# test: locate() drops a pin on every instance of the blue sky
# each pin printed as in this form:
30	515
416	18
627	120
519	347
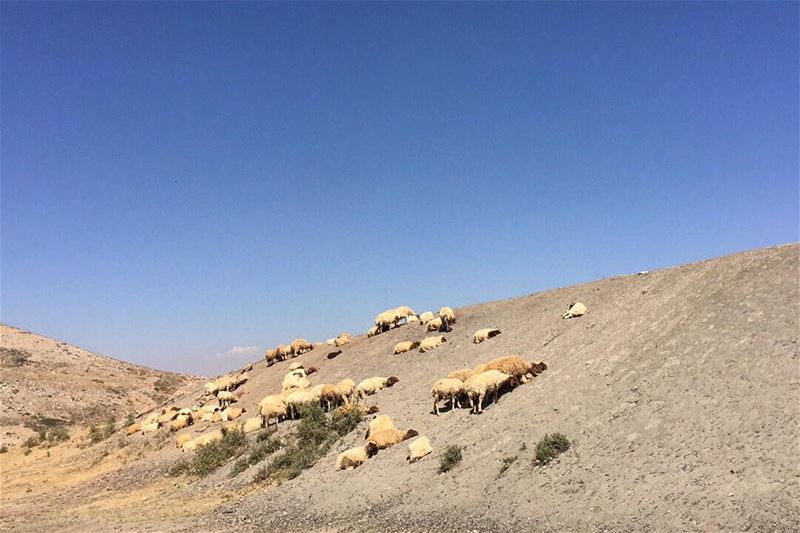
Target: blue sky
182	179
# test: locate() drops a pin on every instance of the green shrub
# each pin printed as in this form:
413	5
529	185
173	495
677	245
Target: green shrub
344	422
99	434
449	458
550	447
210	457
262	450
131	420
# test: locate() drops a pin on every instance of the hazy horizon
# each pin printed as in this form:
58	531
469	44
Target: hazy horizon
185	185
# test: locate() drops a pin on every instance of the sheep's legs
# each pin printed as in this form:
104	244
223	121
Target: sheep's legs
436	407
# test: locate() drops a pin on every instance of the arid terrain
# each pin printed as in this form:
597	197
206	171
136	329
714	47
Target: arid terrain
678	389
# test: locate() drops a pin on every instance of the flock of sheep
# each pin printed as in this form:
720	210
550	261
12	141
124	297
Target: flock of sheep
461	388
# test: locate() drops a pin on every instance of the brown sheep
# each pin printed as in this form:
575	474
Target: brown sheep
513	365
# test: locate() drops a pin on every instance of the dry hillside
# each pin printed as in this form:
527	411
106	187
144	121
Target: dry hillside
46	383
679	390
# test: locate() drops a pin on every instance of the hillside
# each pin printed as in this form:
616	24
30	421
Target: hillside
47	383
679	390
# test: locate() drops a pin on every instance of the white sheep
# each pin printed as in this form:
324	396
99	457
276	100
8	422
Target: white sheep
379	423
346	389
302	397
372	385
405	346
429	343
226	398
296	379
485	334
274	406
355	456
253	423
447	313
426	317
446	389
434	324
342	339
371	332
462	374
300	346
419	449
479	386
389	437
576	309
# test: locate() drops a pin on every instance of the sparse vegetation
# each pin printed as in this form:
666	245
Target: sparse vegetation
263	449
449	458
550	447
47	438
507	462
14	357
101	433
131	420
315	436
210	457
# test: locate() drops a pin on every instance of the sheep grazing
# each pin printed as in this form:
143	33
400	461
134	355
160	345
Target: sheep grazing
183	421
357	407
413	319
271	356
232	413
302	397
182	439
372	385
434	324
168	414
479	386
253	423
331	342
426	317
429	343
462	374
273	406
295	379
446	389
226	398
208	438
386	320
226	383
371	332
513	365
150	427
211	387
419	449
300	346
484	335
342	339
134	428
284	352
241	379
346	389
403	312
576	309
355	456
189	445
380	423
389	437
405	346
446	313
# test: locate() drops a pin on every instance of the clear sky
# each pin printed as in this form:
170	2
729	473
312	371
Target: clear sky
186	184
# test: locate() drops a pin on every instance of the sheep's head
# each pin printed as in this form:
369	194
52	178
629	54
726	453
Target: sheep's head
310	370
372	410
333	354
391	381
410	433
442	339
371	448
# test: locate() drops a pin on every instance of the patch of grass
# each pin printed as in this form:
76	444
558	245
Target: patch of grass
261	451
315	436
101	433
14	357
47	438
131	420
550	447
507	462
210	457
449	458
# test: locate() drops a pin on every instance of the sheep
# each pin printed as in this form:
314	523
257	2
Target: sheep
405	346
295	365
301	397
273	406
429	343
295	379
389	437
241	379
346	389
446	388
342	339
434	324
182	439
300	346
208	438
513	365
168	414
271	356
226	383
355	456
284	352
370	386
413	319
208	416
329	397
150	427
134	428
403	312
371	332
379	423
419	449
211	387
355	407
232	413
462	374
576	309
253	423
426	317
479	386
386	320
448	314
226	398
485	334
331	342
183	421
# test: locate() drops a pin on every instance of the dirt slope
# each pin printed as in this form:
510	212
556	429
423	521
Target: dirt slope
679	388
45	382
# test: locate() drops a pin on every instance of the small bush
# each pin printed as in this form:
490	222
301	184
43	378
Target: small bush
26	451
550	447
131	420
507	462
261	475
265	434
210	457
13	356
344	422
31	442
449	458
263	449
